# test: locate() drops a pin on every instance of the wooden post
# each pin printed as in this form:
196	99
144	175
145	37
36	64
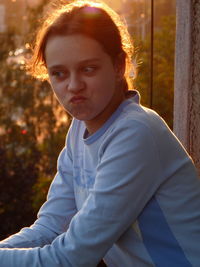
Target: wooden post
187	77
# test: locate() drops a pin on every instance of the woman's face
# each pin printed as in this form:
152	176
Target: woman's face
84	78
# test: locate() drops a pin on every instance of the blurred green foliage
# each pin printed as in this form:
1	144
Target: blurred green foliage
163	78
32	133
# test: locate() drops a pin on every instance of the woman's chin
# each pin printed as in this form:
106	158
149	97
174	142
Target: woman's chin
82	117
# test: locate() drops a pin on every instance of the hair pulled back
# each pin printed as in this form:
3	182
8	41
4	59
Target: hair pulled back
93	19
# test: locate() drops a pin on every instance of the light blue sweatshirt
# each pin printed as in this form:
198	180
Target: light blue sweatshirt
129	193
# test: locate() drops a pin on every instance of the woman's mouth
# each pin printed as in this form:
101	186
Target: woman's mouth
77	99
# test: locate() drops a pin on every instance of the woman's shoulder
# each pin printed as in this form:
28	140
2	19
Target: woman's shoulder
134	114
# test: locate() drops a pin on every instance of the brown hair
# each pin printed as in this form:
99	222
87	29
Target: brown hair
93	19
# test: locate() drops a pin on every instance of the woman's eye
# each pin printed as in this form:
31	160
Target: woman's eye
89	69
58	74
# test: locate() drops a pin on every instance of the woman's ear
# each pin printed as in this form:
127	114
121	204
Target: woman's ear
120	65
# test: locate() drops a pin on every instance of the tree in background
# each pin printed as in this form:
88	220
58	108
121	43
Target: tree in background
32	129
163	79
18	150
139	21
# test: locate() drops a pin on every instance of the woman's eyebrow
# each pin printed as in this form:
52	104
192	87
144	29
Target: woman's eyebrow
59	66
85	61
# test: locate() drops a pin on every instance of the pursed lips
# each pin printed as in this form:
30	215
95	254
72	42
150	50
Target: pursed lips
77	99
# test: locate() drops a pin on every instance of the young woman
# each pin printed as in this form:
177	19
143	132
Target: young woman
125	190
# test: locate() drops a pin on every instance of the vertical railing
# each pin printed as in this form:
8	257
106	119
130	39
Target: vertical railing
152	55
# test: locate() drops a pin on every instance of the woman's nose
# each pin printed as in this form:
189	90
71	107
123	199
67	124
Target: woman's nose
75	83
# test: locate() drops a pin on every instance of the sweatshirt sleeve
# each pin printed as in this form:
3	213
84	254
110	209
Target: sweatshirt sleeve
128	174
56	213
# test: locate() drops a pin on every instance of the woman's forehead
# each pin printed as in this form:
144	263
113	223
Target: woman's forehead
73	48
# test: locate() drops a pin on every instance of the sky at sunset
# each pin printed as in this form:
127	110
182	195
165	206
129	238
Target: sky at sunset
115	4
